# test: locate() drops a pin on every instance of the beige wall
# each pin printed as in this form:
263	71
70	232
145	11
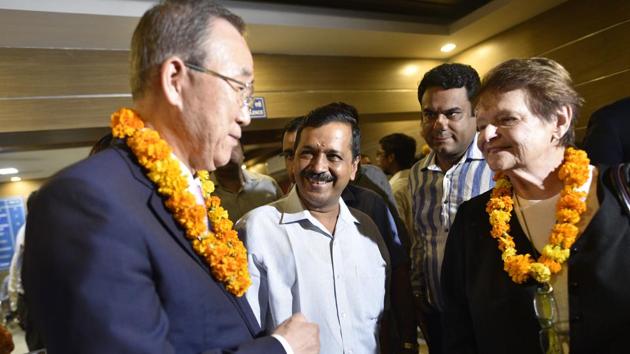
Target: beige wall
19	189
589	37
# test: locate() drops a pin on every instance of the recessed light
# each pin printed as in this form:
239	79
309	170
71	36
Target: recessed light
410	70
15	179
448	47
8	171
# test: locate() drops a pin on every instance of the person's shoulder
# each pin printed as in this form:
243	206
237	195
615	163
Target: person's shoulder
614	113
477	202
265	214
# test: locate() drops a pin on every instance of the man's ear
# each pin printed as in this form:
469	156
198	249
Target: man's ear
355	167
172	77
564	115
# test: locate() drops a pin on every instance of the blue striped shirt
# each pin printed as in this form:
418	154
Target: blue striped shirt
435	197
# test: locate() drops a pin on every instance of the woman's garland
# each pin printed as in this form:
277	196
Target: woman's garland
220	248
574	173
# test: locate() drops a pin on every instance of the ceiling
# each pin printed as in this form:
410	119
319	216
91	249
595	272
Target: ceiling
358	28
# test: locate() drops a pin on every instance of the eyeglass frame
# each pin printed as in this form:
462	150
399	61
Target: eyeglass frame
247	88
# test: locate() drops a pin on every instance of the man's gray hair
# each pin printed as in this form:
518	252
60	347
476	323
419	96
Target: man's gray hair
173	27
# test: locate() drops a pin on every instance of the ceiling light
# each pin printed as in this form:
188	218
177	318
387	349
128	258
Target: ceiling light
410	70
8	171
15	179
448	47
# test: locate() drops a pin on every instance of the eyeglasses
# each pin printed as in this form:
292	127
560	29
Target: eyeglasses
430	117
244	89
546	313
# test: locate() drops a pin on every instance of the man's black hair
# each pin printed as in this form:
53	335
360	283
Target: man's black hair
448	76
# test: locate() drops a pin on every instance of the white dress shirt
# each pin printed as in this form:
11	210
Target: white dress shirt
337	281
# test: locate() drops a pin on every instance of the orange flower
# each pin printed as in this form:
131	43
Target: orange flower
574	173
222	250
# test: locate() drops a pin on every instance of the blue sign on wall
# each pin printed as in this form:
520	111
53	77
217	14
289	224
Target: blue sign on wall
12	215
258	110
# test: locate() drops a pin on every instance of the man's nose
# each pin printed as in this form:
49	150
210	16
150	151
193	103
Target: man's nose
441	121
244	117
319	163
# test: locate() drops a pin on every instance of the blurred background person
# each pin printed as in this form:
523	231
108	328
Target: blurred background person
395	156
607	139
242	190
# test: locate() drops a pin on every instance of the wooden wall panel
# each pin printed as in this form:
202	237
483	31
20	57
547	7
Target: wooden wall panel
30	115
280	73
57	72
588	37
293	104
599	93
549	31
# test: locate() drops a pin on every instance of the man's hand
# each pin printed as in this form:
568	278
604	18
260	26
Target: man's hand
303	336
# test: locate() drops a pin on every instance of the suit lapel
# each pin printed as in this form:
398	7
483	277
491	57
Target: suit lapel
156	204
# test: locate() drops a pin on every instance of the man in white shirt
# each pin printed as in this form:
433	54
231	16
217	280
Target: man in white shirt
310	253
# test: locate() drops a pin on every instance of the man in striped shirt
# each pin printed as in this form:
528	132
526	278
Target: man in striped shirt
452	173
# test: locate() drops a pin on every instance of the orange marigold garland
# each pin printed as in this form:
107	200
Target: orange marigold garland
220	247
574	172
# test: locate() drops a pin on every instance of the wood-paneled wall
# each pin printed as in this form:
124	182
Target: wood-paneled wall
49	89
589	37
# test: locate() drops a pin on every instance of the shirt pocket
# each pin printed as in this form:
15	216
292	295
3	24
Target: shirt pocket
371	290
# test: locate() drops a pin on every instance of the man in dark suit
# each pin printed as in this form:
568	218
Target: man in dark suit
606	140
107	268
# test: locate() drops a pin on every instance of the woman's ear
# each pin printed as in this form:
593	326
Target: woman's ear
564	116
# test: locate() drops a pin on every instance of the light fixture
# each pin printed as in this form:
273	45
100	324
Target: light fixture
448	47
15	179
410	70
8	171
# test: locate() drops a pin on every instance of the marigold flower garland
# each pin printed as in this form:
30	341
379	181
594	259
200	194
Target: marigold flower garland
220	247
574	172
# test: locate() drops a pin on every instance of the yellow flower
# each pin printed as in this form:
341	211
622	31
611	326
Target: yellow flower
574	173
220	248
540	272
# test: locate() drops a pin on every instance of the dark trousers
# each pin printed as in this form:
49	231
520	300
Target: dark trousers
431	328
32	337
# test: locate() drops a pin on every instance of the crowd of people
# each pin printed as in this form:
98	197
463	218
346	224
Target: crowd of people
503	238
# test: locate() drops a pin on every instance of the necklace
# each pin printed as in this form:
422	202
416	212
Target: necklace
574	172
220	247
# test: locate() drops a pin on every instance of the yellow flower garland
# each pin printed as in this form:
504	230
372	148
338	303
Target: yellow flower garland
220	248
574	172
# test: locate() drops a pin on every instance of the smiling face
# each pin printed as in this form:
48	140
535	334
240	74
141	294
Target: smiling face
324	165
213	108
447	124
511	137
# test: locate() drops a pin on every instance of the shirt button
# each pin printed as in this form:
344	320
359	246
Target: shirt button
446	230
343	315
338	276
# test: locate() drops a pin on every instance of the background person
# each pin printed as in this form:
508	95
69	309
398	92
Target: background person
454	171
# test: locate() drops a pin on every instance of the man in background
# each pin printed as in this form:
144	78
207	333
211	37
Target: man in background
395	156
607	139
452	173
241	190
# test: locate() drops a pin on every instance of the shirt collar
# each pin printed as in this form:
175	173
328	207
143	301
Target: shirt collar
472	153
402	174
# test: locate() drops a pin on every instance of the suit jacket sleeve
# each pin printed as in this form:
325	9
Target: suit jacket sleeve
458	328
89	280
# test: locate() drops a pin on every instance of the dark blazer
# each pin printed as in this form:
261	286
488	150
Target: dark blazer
107	270
607	139
487	313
